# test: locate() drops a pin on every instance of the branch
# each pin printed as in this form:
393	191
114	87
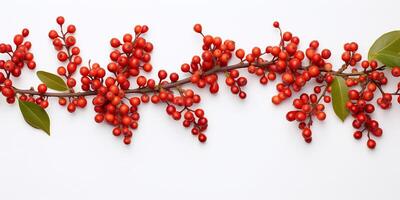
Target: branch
215	70
181	82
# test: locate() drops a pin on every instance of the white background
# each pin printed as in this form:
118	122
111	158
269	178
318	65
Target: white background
252	151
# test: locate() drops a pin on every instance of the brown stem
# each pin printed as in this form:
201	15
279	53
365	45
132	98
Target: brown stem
322	94
215	70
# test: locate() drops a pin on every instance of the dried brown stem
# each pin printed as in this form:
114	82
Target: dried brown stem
215	70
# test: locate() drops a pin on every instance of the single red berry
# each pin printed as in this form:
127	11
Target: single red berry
197	28
371	143
18	39
115	43
25	32
71	29
60	20
71	82
287	36
357	135
71	107
174	77
276	24
162	74
307	133
53	34
396	71
42	88
185	67
240	53
127	140
276	100
138	29
256	52
44	104
202	138
326	54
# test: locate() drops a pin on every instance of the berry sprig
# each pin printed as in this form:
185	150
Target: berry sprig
18	57
121	87
68	54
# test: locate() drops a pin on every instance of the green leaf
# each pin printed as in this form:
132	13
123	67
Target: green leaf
386	49
340	97
35	116
52	81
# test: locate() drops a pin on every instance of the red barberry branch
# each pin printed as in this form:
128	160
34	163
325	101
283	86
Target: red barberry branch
182	82
132	56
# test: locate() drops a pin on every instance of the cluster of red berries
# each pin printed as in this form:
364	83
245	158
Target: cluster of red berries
117	103
111	108
289	65
39	100
68	54
191	117
127	59
18	58
360	104
236	83
216	54
307	107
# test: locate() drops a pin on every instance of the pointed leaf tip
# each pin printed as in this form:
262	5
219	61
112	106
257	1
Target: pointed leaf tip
35	116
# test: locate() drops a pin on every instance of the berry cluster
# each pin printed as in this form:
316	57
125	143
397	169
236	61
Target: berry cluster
307	106
360	104
111	102
121	87
216	54
17	59
68	54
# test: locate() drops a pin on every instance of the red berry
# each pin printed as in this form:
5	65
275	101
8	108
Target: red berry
307	133
326	53
127	140
62	101
18	39
174	77
287	36
396	71
185	68
53	34
71	82
276	100
71	107
60	20
25	32
71	29
357	135
371	143
240	53
115	43
197	28
162	74
42	88
287	78
256	52
202	138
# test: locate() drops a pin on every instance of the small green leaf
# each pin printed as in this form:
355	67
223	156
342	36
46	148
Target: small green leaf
340	97
35	116
386	49
52	81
